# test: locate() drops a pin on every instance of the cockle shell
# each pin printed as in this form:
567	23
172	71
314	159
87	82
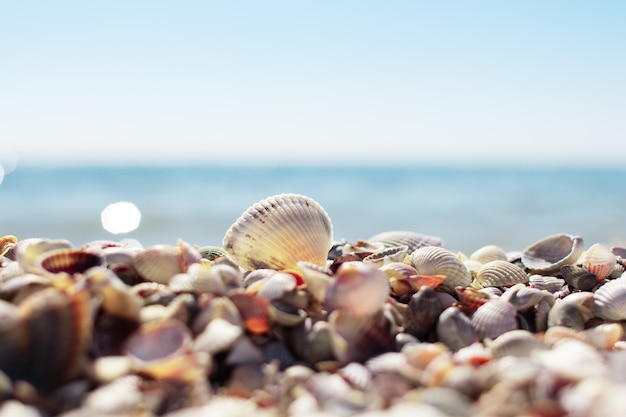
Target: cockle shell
70	261
488	253
598	260
412	240
433	260
548	255
494	318
500	273
387	255
280	231
609	301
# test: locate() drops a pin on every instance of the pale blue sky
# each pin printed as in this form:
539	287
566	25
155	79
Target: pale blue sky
412	82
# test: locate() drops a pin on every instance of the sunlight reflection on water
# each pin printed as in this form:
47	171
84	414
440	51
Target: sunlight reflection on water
120	217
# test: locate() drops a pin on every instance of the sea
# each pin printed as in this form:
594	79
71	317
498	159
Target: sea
466	207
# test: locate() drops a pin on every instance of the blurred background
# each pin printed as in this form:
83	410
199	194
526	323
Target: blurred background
479	122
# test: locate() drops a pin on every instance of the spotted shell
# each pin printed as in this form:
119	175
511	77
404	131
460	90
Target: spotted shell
609	301
280	231
500	273
433	260
413	240
548	255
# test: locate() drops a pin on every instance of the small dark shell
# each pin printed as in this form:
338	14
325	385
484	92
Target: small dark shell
578	277
422	313
454	329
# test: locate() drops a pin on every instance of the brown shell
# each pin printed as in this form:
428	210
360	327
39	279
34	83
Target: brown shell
70	261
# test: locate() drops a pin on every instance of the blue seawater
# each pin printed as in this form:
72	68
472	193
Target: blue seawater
466	207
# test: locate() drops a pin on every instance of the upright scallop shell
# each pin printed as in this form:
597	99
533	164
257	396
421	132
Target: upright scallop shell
548	255
280	231
433	260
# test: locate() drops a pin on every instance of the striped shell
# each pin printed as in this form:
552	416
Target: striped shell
411	239
598	260
433	260
609	301
493	319
548	255
278	232
500	273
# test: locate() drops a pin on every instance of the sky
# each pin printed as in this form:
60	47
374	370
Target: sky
318	82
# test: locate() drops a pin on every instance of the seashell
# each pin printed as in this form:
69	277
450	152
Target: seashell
546	282
578	277
470	299
254	311
357	287
28	251
211	253
422	313
70	261
117	298
357	375
609	301
598	260
517	343
276	286
433	260
278	232
317	279
548	255
163	350
488	253
45	340
285	314
412	240
7	243
454	329
387	255
120	260
17	288
493	319
216	308
218	336
357	337
525	298
604	335
500	274
161	262
108	368
253	277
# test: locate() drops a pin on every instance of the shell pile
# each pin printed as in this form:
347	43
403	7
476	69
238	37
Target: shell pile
281	320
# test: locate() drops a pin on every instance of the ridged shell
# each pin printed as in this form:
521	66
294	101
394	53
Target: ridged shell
411	239
488	253
280	231
387	255
546	282
500	273
548	255
433	260
493	319
598	260
610	300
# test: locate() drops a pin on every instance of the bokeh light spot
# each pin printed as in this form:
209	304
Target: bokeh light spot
121	217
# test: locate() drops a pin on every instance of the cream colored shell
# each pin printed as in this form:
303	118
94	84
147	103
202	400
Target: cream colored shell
278	232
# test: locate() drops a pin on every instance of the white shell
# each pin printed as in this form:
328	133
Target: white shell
411	239
500	273
488	253
433	260
280	231
609	301
598	260
493	319
548	255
